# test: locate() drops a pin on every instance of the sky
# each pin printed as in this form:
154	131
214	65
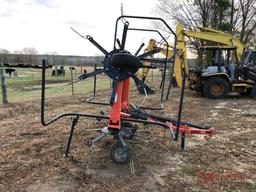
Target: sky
45	24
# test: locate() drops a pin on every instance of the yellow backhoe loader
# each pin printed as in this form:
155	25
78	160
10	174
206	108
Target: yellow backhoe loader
231	69
228	71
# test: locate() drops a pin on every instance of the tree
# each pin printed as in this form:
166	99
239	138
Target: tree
4	56
236	17
29	51
17	57
221	15
247	22
30	55
190	12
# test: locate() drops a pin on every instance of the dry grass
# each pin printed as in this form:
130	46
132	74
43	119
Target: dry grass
31	155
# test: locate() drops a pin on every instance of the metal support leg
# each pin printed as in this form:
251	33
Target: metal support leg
74	122
180	106
168	91
94	81
183	138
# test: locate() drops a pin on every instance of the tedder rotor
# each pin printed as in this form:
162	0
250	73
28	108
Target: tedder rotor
121	66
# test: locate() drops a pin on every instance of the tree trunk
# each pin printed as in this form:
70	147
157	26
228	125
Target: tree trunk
3	86
232	17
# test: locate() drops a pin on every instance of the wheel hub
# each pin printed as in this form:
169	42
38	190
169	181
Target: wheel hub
217	89
120	153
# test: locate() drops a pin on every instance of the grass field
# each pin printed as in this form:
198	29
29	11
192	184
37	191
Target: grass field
27	86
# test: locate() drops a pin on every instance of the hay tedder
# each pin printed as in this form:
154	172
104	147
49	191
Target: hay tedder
121	66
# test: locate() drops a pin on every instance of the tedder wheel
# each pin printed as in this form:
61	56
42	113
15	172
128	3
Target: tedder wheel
120	154
215	88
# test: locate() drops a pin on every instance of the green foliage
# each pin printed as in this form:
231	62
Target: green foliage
225	26
223	4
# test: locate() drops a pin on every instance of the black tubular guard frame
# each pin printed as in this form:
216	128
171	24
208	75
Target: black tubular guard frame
152	19
58	117
145	18
157	60
76	117
92	99
45	123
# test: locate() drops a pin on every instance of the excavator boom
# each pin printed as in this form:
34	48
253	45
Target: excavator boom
212	36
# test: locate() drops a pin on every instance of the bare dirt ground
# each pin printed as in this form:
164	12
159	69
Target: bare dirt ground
32	155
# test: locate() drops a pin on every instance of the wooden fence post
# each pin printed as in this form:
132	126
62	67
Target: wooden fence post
3	86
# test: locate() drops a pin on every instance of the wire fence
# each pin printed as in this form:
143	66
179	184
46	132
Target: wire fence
25	83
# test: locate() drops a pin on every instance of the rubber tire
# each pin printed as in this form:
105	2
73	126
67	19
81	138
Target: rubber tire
115	149
215	80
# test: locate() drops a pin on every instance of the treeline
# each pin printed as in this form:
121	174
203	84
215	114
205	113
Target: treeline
235	17
26	56
29	57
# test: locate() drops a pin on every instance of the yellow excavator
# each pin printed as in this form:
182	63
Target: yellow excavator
230	69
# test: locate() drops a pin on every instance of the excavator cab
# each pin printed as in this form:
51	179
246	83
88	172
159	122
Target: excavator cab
223	73
219	60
